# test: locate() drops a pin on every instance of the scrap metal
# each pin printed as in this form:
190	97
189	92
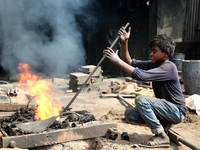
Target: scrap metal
24	130
175	137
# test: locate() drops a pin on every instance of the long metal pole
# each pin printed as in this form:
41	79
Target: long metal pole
177	138
102	59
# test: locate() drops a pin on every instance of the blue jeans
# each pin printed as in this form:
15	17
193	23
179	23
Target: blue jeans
154	112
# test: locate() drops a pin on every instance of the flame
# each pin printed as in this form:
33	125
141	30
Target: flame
40	88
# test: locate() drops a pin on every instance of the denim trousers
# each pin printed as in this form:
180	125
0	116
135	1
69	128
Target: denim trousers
156	113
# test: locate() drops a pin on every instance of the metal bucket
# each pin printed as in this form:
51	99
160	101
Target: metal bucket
177	60
191	76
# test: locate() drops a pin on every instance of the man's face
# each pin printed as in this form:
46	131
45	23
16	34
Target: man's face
157	56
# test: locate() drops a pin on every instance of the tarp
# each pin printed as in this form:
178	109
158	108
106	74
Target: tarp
193	103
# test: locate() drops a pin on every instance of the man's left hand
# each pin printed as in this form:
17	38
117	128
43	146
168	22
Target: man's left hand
111	55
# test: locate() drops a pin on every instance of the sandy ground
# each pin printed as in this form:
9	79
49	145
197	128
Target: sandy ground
111	110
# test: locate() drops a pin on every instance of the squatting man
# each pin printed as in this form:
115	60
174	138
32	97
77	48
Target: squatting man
168	106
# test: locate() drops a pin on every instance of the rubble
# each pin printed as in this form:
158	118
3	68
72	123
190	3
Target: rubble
24	126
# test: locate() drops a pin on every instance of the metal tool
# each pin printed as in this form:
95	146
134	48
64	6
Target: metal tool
36	126
120	97
102	59
177	138
42	125
116	95
125	101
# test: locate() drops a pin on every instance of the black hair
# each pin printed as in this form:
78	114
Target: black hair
164	42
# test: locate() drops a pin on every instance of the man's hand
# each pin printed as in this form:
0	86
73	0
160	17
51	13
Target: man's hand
123	35
112	56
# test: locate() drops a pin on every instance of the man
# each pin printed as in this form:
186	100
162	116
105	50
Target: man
168	106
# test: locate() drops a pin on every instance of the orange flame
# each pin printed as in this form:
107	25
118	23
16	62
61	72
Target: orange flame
40	88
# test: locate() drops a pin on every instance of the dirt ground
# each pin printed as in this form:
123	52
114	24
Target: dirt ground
111	110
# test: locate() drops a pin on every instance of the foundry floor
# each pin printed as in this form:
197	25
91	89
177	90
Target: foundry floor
102	106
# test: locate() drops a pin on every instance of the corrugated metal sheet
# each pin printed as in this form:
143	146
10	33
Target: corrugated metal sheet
191	29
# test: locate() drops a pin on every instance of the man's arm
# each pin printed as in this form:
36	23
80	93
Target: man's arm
124	36
125	53
126	67
114	58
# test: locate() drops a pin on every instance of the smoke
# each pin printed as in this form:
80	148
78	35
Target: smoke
44	34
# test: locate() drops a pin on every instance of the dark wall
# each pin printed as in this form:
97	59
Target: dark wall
190	45
171	15
191	28
112	15
190	49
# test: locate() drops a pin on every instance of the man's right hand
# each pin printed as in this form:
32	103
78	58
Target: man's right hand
123	35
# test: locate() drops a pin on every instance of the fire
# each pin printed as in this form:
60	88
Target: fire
39	88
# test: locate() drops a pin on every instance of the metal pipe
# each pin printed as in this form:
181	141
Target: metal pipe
177	138
116	95
188	144
102	59
122	99
3	132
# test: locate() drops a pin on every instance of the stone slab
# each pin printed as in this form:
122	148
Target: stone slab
89	68
87	131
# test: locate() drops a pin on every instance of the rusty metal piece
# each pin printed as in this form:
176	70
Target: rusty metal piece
125	136
97	144
122	99
36	126
113	133
42	125
114	130
177	138
12	144
3	132
116	95
88	130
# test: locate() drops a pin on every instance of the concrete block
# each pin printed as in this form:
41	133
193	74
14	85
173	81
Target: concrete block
76	87
78	77
89	68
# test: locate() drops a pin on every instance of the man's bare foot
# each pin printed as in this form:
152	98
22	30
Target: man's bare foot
159	140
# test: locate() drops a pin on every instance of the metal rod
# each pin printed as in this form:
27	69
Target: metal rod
116	95
3	132
189	144
125	101
177	138
102	59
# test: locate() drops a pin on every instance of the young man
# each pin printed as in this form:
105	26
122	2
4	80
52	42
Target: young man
168	105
